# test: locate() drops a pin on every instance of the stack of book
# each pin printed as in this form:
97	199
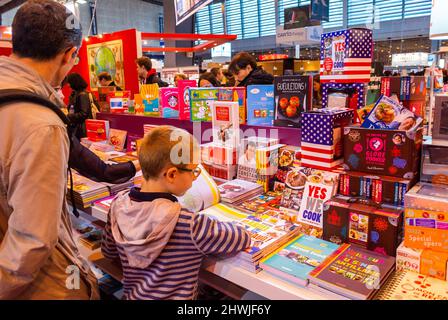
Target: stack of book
295	260
100	209
268	232
237	190
86	191
352	272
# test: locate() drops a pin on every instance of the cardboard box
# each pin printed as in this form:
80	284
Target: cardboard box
356	97
427	196
184	98
200	103
425	229
260	105
393	153
237	94
322	137
346	56
435	161
380	189
374	227
423	261
408	259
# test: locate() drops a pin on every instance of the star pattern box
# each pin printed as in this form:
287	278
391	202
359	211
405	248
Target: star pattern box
321	145
355	100
346	56
393	153
373	227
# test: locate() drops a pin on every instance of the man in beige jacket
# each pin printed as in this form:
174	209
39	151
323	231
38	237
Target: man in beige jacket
38	256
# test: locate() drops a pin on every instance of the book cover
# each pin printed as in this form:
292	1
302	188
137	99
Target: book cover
97	130
295	260
237	188
390	115
184	98
409	285
260	105
225	123
204	193
117	138
237	94
353	272
119	101
150	96
201	100
318	187
169	98
293	95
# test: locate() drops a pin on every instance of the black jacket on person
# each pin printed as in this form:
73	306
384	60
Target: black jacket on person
257	76
112	84
91	166
80	102
153	78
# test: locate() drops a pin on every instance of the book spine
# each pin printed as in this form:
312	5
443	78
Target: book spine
329	260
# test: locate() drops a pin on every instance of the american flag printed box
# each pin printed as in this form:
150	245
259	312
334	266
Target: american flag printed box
359	89
321	145
346	56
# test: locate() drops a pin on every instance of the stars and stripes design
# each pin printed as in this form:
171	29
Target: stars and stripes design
319	129
357	56
359	87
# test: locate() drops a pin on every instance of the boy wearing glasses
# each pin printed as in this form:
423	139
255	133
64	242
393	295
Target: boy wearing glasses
160	245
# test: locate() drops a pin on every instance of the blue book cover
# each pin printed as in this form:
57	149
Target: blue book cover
260	105
298	258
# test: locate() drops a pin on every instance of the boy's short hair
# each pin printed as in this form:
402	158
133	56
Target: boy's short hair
164	146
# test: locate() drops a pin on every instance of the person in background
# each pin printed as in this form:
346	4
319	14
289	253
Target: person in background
105	80
219	75
317	92
207	79
179	76
160	245
387	73
37	252
230	79
147	74
80	104
244	67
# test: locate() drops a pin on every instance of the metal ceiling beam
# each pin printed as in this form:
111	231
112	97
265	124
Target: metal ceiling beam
11	5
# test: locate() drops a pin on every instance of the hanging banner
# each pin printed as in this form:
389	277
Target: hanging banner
303	36
320	10
185	8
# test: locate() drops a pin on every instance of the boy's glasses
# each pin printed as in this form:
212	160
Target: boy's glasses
196	171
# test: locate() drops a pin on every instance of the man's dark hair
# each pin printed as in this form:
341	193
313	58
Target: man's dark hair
105	76
42	29
241	61
144	62
76	82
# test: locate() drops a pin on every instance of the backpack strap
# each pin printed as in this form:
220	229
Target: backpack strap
10	96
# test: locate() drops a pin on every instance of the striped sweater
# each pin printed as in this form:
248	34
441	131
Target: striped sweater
161	247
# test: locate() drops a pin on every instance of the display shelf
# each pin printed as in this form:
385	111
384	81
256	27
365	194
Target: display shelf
263	283
134	124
